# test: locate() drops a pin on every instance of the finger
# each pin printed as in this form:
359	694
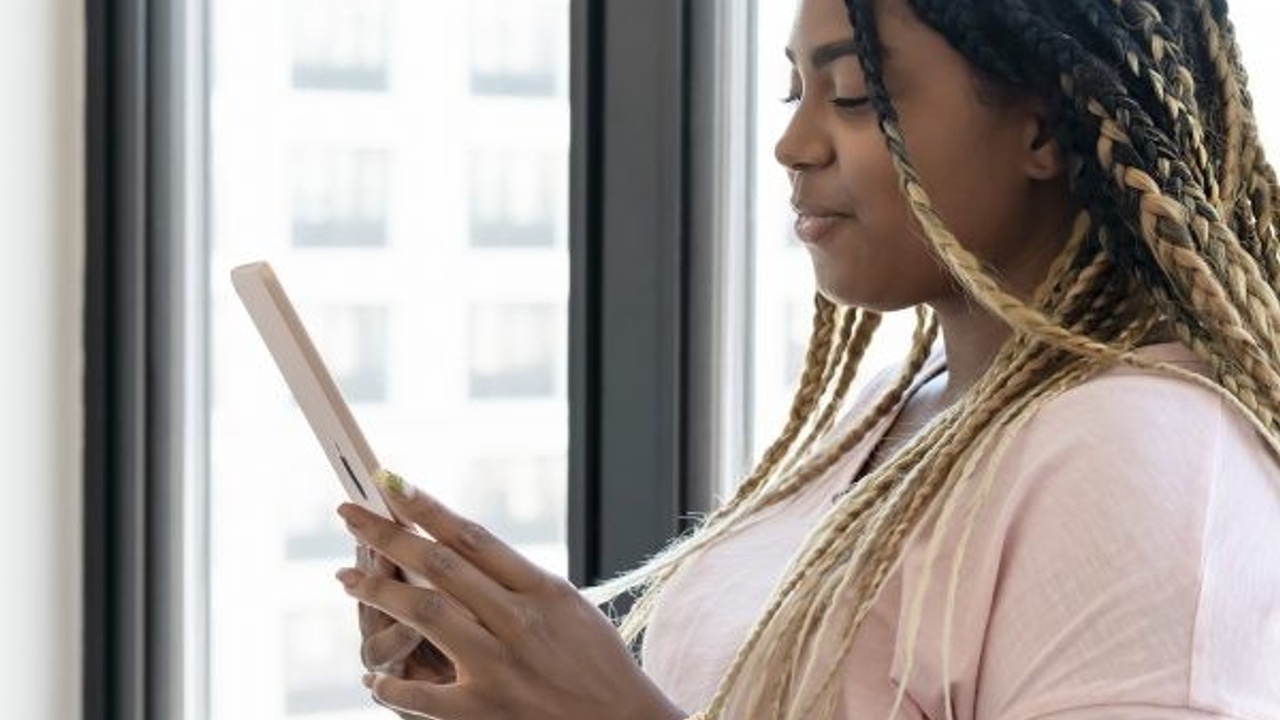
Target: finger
474	542
443	567
389	647
372	620
380	565
432	613
418	698
427	662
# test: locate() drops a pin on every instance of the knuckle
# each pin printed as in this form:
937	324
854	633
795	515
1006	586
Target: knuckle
379	534
440	561
429	607
371	584
474	537
530	618
557	588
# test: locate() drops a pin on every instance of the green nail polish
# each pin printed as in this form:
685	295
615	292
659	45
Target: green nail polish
392	483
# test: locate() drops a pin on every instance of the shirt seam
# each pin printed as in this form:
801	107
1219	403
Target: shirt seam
1216	466
1164	706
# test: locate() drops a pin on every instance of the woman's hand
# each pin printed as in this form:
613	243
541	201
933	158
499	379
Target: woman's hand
390	646
524	644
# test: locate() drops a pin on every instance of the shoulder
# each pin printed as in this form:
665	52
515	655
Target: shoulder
1133	506
1129	452
1136	423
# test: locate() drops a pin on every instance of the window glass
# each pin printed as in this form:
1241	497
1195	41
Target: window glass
513	198
340	196
514	351
515	47
367	149
339	44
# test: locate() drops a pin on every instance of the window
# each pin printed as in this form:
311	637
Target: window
340	197
513	47
513	351
354	340
512	198
521	497
340	44
406	252
425	314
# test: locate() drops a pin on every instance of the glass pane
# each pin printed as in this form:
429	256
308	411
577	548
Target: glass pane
366	149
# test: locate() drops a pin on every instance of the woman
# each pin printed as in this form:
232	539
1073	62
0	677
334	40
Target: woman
1069	510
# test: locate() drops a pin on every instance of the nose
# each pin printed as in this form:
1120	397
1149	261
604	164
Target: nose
803	145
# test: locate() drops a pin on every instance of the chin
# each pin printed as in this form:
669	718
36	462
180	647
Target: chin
864	296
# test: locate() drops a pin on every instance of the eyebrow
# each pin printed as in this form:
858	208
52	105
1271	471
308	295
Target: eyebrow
824	55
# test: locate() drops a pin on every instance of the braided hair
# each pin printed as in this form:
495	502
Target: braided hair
1177	229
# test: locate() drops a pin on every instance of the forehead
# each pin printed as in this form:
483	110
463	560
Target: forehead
822	22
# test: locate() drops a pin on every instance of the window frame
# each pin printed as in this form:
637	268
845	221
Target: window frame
650	404
658	302
143	431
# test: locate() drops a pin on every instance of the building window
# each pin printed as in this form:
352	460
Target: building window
513	201
514	46
340	44
353	341
514	351
520	499
340	197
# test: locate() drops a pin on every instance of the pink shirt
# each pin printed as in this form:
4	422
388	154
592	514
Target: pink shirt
1125	565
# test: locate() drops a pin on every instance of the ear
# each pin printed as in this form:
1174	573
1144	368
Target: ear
1042	154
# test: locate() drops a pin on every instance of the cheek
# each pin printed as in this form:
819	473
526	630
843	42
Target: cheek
971	179
881	260
887	234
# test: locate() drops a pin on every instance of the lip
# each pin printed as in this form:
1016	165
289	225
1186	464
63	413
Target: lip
817	228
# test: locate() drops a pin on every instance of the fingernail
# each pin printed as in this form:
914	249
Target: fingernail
348	577
393	484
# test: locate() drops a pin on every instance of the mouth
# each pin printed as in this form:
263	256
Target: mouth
817	228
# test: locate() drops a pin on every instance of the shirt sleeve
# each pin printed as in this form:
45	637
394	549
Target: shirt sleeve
1140	576
1132	711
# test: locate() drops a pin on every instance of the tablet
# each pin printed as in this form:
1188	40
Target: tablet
313	387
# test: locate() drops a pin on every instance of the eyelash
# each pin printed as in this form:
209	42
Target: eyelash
842	103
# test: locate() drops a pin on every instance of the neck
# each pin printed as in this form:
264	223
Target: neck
972	338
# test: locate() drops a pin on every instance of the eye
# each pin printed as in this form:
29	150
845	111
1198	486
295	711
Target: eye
850	103
791	99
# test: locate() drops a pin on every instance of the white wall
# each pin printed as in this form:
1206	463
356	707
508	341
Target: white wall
41	259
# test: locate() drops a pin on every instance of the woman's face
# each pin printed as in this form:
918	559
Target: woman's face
991	170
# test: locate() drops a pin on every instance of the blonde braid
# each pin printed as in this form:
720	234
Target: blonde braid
1234	115
868	324
1240	125
856	331
812	386
874	487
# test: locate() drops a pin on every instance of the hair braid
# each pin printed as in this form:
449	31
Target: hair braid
812	385
853	350
1127	142
1163	71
